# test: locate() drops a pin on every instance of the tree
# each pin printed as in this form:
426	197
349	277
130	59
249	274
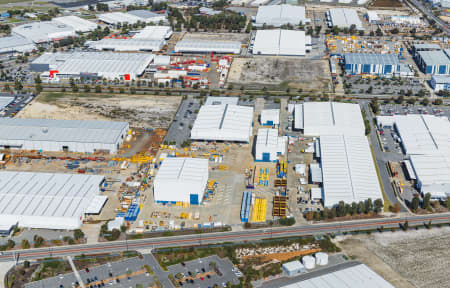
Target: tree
354	209
38	241
78	234
425	101
87	89
10	244
98	89
38	88
438	101
18	85
340	211
75	88
360	207
400	99
415	204
374	105
25	244
26	263
396	208
378	205
38	80
368	206
426	201
405	226
123	228
447	202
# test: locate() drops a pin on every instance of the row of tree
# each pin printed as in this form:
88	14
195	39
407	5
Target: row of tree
344	209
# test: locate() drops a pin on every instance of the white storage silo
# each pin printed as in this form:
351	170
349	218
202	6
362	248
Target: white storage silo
309	262
321	259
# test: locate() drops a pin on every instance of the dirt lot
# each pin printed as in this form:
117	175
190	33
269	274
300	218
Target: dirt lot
139	111
411	259
387	3
243	38
280	72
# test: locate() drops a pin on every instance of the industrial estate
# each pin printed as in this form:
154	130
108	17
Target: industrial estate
242	143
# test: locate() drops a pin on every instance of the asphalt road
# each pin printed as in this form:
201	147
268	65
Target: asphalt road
430	15
233	236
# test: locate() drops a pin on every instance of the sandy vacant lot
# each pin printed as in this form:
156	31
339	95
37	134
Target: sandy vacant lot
241	37
280	72
412	259
139	111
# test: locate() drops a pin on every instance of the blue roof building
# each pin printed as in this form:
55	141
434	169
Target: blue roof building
433	62
376	64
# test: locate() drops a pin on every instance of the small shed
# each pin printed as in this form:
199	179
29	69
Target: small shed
293	268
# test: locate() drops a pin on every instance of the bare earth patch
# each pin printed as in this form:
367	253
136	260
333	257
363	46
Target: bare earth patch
280	72
139	110
416	258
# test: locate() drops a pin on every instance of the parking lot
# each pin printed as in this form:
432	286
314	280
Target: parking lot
20	101
180	129
206	272
403	86
126	273
398	109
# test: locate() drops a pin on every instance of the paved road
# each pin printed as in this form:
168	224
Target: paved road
430	15
381	160
233	236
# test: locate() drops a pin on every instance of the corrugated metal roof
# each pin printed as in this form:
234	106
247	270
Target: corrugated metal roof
353	277
280	42
77	23
14	41
321	118
278	15
183	170
146	14
434	58
154	32
44	31
348	170
441	79
344	18
223	122
365	58
60	130
268	139
221	100
127	44
45	195
208	46
118	17
427	46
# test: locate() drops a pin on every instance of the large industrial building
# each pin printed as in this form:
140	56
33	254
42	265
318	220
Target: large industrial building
323	118
270	117
278	15
207	46
426	138
355	276
62	135
77	23
126	45
440	83
181	180
281	42
16	44
375	64
344	18
269	145
109	65
46	31
154	33
223	123
348	170
433	62
131	17
49	200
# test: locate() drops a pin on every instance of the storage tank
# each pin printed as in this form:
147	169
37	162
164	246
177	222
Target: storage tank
309	262
321	259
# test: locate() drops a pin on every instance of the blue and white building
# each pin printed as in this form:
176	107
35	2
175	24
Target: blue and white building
440	83
181	180
433	62
375	64
269	145
270	117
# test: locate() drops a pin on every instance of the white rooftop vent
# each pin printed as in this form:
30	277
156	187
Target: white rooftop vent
309	262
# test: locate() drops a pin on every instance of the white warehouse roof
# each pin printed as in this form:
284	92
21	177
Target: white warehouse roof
352	277
46	31
148	16
270	116
126	44
115	18
221	100
46	200
223	123
16	43
52	135
433	174
179	178
104	64
77	23
344	18
321	118
154	33
277	15
348	170
280	42
421	134
269	143
206	46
